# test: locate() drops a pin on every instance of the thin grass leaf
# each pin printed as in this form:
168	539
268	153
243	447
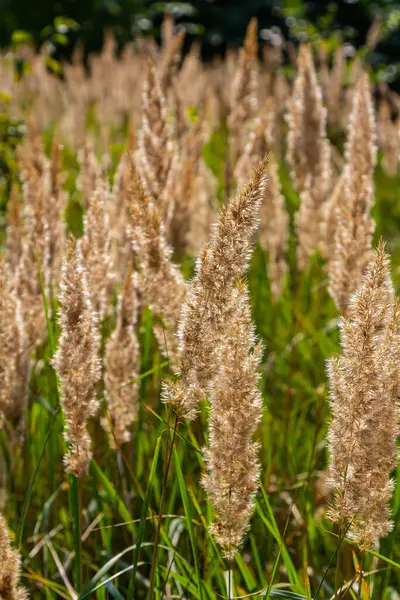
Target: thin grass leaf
247	575
56	588
146	373
145	509
76	529
113	495
32	481
389	561
272	526
277	559
188	513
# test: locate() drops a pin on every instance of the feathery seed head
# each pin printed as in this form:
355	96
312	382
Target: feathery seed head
206	311
160	281
156	149
244	89
77	358
122	362
308	154
96	250
10	563
14	363
354	224
15	228
364	386
232	464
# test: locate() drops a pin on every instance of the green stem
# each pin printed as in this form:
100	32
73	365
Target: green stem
76	528
163	493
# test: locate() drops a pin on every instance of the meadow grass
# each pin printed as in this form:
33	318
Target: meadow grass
137	525
290	548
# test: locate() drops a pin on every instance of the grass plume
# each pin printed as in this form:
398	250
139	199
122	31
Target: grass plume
77	359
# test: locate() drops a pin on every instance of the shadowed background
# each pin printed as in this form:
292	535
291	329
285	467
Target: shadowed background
216	23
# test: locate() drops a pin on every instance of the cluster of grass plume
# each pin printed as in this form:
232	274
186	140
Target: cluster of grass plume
186	247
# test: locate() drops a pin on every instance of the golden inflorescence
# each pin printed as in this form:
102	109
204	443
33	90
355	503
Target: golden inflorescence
160	210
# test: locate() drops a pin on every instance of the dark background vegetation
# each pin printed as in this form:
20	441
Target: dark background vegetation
217	23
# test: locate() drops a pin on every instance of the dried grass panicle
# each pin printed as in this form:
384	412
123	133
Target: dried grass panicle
10	565
156	148
189	178
118	208
14	363
389	137
244	94
232	465
364	387
55	200
204	209
274	228
308	150
258	144
354	224
222	261
96	251
89	177
160	281
334	95
77	359
308	154
15	229
171	53
118	217
330	220
27	283
122	365
192	78
274	219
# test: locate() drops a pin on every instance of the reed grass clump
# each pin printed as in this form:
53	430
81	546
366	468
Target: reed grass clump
308	154
355	226
122	364
244	97
14	363
32	267
156	148
160	282
15	228
206	309
10	561
77	359
96	251
89	177
173	179
233	467
364	388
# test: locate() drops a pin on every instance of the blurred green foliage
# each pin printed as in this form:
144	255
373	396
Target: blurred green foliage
11	133
217	23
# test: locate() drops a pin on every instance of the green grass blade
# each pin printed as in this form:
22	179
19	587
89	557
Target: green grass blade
32	481
186	582
389	561
76	529
286	595
246	573
277	559
269	521
113	495
105	582
188	513
145	509
146	374
47	585
92	585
